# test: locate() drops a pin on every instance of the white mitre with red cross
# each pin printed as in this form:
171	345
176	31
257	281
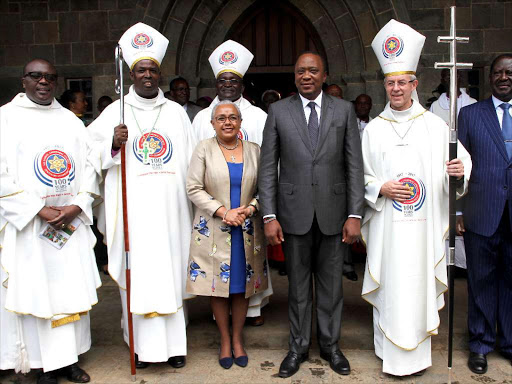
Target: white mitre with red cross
398	48
230	56
142	42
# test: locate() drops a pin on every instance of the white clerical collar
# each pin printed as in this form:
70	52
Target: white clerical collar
388	113
133	99
22	100
317	101
497	102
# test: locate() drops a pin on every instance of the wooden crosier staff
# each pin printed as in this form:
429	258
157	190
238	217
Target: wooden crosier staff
119	87
453	66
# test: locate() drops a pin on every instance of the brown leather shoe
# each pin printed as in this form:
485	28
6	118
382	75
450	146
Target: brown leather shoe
255	321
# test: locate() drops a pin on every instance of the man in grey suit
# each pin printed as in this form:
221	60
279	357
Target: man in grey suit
313	206
180	93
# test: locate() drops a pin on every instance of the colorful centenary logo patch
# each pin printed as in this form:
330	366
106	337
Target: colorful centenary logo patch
392	47
417	199
153	149
55	168
228	58
141	41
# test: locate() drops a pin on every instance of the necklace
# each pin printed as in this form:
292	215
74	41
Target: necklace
233	157
406	132
154	124
228	148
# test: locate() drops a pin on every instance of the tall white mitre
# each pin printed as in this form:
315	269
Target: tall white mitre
398	48
230	56
142	42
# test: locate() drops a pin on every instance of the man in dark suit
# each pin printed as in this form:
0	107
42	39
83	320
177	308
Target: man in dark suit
485	129
180	93
312	206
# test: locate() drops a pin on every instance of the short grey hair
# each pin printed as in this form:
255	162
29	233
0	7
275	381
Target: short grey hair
411	78
225	102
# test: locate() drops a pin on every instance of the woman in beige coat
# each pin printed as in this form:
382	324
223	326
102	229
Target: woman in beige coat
227	252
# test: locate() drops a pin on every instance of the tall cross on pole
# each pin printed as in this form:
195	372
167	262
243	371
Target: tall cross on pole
453	65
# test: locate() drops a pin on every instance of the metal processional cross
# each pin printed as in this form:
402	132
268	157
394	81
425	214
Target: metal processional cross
453	65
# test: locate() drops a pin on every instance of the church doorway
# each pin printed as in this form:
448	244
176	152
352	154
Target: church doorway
276	33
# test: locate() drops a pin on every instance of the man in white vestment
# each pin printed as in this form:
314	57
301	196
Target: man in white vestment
230	61
441	108
159	142
48	274
405	154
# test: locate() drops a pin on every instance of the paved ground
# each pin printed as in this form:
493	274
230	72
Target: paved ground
107	362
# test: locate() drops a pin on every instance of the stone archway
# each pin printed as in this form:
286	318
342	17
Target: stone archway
346	28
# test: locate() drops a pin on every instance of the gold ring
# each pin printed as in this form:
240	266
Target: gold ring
63	226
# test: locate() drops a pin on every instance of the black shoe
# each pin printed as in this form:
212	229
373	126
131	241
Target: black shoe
282	271
75	374
477	363
177	361
140	364
291	364
49	377
351	275
337	361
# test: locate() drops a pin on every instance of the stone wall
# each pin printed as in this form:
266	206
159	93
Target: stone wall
79	36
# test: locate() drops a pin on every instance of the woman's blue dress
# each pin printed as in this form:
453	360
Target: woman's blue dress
237	268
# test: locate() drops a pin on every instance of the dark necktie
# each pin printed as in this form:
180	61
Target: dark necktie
506	128
313	125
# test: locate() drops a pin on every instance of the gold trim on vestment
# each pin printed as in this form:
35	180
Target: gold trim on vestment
230	70
398	73
12	194
65	320
412	118
151	315
144	58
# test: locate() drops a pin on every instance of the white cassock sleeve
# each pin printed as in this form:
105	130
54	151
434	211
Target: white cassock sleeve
89	188
101	132
372	182
17	206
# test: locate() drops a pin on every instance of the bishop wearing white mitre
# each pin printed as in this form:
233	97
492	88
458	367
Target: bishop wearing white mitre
405	154
159	143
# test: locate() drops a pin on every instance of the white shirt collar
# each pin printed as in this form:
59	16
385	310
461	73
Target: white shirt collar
497	102
317	101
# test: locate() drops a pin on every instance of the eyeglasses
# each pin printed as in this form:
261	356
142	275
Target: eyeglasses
181	89
37	76
226	81
400	83
222	119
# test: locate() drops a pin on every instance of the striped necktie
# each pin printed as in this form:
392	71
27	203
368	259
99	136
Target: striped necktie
506	128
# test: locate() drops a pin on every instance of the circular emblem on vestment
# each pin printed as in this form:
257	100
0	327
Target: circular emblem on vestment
152	145
417	187
141	40
392	47
54	164
228	57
